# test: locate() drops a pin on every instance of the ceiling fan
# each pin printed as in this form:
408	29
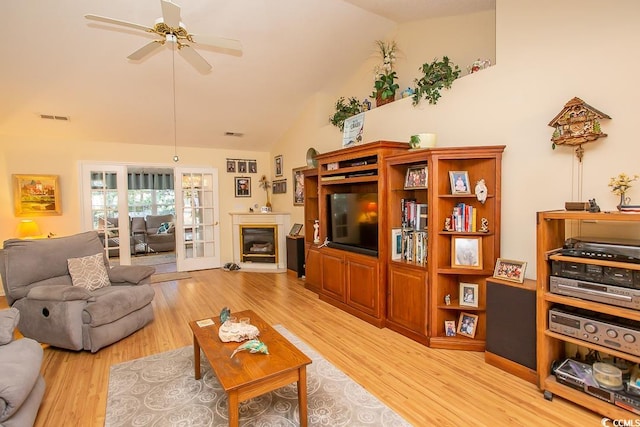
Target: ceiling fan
171	29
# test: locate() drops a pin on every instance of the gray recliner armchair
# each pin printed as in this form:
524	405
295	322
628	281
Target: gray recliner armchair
37	281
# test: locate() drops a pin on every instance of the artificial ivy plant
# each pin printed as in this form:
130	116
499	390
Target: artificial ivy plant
436	75
344	111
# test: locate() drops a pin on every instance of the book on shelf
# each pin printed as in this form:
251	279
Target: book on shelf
413	214
464	218
414	246
332	178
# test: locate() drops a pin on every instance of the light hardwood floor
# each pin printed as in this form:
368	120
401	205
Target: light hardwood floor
427	387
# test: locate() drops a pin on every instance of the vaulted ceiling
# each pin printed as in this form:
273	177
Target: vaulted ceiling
57	63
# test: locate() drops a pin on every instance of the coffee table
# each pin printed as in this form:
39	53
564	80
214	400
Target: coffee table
248	375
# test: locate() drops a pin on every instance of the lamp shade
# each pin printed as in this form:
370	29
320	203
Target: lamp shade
28	228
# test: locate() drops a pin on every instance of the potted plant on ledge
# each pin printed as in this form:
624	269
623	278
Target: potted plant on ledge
384	85
344	111
436	76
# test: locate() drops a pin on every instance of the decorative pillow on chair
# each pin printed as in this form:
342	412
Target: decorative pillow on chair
165	227
8	322
88	272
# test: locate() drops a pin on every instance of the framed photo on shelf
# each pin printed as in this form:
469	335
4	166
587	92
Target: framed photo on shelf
278	165
416	177
467	324
298	186
396	243
243	186
466	252
459	182
295	230
36	195
450	328
279	186
468	294
511	270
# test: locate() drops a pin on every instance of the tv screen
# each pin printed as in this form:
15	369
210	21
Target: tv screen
352	222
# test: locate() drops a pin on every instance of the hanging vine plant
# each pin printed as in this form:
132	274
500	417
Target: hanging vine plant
436	76
344	111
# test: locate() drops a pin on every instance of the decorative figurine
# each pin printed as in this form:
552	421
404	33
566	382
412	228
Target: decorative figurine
254	346
447	224
447	299
481	191
484	225
366	105
316	231
593	206
224	314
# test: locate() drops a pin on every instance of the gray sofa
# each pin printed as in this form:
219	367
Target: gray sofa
160	242
36	279
21	384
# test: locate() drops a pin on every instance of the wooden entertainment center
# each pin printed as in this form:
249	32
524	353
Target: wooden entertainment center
407	295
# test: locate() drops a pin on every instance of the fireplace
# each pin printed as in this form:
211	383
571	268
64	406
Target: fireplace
259	241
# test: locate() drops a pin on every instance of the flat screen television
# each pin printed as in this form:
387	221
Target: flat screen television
352	222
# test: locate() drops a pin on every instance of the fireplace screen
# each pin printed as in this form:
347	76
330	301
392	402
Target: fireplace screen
258	243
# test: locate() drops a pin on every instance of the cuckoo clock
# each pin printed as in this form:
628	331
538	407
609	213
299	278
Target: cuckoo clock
577	124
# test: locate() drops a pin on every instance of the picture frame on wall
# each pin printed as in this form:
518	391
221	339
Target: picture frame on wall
298	186
279	186
278	165
467	324
459	182
396	244
507	269
231	166
242	166
36	195
416	177
468	295
253	166
243	186
466	252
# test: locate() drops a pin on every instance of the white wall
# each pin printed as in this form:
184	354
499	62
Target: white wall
547	52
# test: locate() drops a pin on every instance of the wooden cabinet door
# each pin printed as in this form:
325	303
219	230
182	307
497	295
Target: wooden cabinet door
313	270
363	286
333	284
407	298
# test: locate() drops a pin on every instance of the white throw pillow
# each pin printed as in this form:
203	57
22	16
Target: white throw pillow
88	272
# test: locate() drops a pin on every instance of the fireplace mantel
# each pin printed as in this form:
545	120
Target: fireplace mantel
282	222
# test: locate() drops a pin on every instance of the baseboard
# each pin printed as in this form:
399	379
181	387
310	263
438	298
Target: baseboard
511	367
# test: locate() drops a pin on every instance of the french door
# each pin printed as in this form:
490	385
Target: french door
197	218
104	190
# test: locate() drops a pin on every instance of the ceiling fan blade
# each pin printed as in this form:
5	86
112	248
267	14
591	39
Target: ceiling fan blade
170	13
221	42
194	58
117	22
145	50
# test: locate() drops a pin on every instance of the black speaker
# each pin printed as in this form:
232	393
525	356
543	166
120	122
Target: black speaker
295	254
511	322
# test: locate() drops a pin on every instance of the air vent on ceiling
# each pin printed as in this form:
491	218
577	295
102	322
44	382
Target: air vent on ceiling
238	134
53	117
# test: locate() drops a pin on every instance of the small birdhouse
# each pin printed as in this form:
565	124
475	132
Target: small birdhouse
577	124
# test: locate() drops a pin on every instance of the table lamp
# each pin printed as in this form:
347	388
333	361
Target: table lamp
28	228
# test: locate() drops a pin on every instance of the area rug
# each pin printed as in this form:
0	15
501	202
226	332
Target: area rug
160	390
167	277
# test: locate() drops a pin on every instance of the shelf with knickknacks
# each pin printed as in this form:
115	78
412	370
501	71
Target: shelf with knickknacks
620	185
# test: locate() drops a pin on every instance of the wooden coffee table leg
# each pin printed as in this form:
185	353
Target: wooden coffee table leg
302	395
233	408
196	357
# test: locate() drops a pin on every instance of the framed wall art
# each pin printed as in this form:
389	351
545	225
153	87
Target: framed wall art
253	166
243	186
468	294
242	166
298	186
36	195
279	186
467	325
278	166
231	166
466	252
507	269
459	182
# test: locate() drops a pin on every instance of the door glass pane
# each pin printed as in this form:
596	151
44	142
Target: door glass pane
104	209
